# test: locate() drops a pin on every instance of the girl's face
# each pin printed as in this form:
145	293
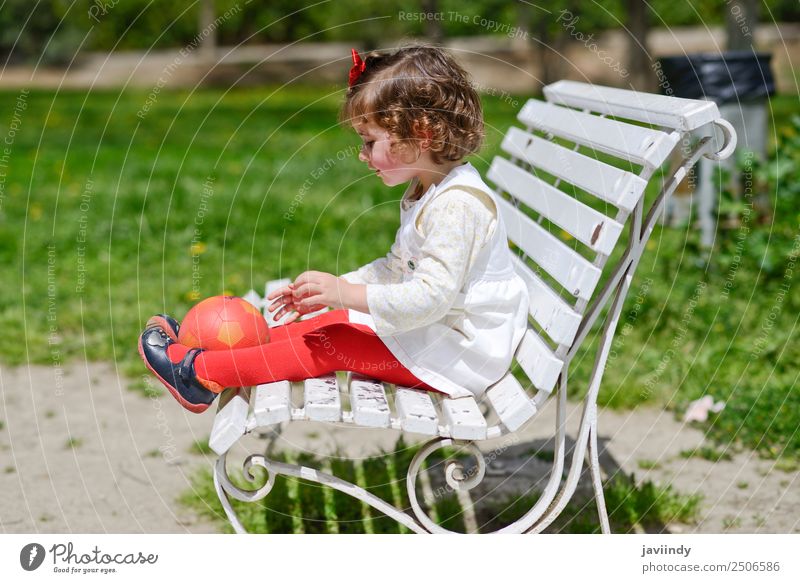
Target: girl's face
376	152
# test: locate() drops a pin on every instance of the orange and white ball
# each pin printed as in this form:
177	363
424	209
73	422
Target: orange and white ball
223	323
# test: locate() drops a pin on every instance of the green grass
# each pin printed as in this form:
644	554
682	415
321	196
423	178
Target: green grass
104	221
73	443
630	507
648	464
201	447
707	453
297	506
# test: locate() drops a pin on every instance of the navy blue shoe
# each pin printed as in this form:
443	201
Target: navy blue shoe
181	380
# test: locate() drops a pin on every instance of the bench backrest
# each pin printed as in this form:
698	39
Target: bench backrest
575	177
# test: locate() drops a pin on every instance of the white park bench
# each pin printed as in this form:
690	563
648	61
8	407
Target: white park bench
574	138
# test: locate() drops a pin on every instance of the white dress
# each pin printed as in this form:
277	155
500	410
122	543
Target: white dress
446	300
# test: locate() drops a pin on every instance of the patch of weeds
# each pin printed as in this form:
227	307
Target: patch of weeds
707	453
649	504
49	414
9	469
73	443
2	425
201	447
742	485
786	464
730	522
648	464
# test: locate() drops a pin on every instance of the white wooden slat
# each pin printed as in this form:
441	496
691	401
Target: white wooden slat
272	285
368	402
661	110
537	360
592	228
550	311
573	271
272	403
463	418
614	185
509	400
639	145
416	411
321	397
230	421
253	298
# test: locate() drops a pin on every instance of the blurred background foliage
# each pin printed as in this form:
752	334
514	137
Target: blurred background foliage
63	27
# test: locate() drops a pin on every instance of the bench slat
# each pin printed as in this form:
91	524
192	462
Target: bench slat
230	421
590	227
253	298
416	411
272	403
550	311
661	110
614	185
510	402
537	360
573	271
368	402
464	418
322	401
636	144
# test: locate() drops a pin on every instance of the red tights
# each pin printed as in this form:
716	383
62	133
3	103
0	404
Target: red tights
304	349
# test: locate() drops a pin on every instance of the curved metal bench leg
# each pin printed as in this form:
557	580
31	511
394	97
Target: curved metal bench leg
597	482
225	500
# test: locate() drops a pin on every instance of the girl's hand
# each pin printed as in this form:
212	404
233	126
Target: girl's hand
313	290
284	303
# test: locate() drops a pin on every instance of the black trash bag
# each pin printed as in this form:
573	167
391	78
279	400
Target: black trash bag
728	77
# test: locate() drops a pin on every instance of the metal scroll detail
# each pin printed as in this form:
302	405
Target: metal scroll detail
454	475
226	488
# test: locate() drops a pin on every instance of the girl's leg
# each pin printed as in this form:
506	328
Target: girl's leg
326	346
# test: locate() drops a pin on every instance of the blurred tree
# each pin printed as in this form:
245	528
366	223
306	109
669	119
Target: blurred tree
42	32
50	31
140	24
207	31
433	26
740	24
638	24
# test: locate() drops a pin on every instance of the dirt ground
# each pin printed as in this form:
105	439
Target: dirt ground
81	453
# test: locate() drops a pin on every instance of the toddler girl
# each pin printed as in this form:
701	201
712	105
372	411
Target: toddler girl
443	311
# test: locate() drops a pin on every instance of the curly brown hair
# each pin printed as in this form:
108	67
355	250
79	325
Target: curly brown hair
416	91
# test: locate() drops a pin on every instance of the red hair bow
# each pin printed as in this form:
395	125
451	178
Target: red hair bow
357	68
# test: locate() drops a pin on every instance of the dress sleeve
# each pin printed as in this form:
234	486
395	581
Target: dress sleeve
383	270
455	226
